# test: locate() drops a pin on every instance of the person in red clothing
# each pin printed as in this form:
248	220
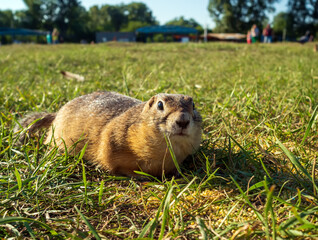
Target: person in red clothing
248	37
267	34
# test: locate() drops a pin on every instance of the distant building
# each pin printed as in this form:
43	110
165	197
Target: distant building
178	33
115	36
229	37
6	31
19	35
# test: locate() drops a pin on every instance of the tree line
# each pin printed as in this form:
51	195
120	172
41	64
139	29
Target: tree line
74	22
239	15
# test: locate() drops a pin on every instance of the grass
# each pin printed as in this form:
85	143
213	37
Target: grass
254	176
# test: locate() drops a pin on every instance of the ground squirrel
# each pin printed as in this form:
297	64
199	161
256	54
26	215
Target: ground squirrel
124	134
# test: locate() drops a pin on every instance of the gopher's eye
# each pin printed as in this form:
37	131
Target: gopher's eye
160	105
193	106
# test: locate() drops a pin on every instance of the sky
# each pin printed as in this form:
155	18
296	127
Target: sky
162	10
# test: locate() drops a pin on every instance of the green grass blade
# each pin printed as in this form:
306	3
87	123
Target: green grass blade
93	230
18	177
2	133
290	223
165	215
269	210
210	176
183	191
257	185
294	160
310	124
169	145
202	227
148	176
27	226
28	220
260	217
265	169
82	152
84	180
100	193
83	171
147	228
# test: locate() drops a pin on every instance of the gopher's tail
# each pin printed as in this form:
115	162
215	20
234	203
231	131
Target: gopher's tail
41	120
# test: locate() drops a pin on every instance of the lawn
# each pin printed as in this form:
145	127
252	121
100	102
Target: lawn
253	177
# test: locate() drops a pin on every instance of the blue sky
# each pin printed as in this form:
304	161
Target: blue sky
163	10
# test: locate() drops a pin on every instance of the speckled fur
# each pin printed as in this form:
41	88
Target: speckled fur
124	134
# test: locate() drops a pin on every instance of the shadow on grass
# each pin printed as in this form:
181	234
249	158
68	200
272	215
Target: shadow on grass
217	166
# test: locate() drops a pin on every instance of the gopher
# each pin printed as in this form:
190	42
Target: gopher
123	134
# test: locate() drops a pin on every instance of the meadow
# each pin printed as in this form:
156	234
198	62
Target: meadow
254	176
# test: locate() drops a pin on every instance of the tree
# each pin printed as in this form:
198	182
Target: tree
106	18
74	22
132	26
281	23
303	16
68	16
32	17
97	20
138	15
6	18
70	19
139	12
181	21
124	18
239	15
116	16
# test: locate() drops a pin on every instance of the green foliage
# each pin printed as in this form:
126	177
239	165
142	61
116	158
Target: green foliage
74	22
254	176
70	20
6	18
33	15
133	25
101	19
181	21
303	16
106	18
280	22
158	38
139	12
238	16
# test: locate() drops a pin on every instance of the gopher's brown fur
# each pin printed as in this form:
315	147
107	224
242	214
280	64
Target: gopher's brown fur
124	134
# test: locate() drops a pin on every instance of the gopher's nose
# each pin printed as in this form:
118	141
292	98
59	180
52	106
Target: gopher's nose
183	124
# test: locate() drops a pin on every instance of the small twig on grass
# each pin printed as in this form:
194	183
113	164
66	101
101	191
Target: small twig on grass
75	76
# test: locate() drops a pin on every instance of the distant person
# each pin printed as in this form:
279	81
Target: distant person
48	38
267	33
61	39
248	37
254	33
306	38
55	36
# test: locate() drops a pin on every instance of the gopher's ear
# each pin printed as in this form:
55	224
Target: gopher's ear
151	101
